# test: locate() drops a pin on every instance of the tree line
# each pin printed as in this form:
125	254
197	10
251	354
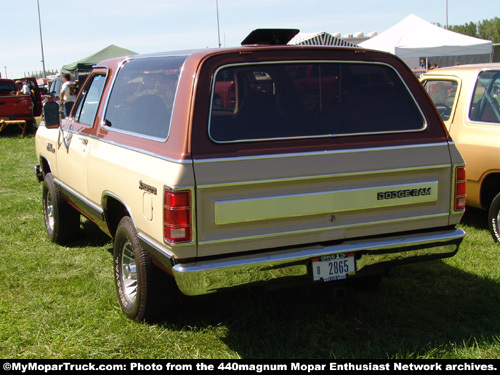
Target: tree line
39	74
486	29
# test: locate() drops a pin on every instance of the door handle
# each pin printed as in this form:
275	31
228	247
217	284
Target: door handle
84	141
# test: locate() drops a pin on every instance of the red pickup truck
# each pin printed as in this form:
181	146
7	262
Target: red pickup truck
16	107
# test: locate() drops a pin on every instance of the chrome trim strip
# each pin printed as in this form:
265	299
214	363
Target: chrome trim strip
337	175
293	205
333	227
139	150
209	276
45	158
89	207
321	153
424	118
156	250
135	134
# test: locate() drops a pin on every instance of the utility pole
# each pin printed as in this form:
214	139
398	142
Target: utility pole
218	29
446	14
41	40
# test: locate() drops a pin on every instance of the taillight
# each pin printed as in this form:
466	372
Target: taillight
177	218
460	190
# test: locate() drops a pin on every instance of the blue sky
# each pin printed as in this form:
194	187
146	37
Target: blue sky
73	30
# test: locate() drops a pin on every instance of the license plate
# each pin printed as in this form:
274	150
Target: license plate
334	267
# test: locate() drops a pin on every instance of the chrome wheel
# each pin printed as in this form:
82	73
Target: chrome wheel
49	213
139	284
129	272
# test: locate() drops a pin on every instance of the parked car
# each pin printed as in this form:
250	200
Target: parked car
330	176
467	97
20	108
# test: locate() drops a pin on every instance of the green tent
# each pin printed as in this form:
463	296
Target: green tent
85	65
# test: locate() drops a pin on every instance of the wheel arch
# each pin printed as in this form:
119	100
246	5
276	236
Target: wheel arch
45	165
490	187
114	210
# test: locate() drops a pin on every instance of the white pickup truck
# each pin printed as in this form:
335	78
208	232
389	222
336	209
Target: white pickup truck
255	165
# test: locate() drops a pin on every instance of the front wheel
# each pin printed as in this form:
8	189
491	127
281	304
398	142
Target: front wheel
62	222
494	218
140	285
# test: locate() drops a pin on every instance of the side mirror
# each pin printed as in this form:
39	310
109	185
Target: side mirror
51	115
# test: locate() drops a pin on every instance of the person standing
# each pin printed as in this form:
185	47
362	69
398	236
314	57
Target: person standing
68	93
23	88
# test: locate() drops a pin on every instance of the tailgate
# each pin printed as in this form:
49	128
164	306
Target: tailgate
264	202
13	106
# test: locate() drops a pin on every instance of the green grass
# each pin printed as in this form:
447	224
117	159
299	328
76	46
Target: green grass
60	302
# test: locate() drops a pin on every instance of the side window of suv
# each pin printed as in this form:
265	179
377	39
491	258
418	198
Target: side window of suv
142	97
485	106
442	93
86	108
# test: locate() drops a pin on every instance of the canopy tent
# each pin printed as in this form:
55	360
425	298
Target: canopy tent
319	39
414	37
85	65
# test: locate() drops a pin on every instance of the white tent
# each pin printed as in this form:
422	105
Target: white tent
415	37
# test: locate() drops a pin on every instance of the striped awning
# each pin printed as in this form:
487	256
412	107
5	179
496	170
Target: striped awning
319	39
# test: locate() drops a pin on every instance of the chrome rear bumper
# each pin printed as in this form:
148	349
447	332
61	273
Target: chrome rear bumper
293	265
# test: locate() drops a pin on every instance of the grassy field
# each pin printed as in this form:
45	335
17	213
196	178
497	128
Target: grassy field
60	302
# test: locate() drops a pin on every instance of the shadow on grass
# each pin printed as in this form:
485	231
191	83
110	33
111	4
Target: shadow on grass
14	131
418	310
475	218
428	309
90	235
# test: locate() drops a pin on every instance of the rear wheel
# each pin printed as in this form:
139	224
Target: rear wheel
62	222
494	218
140	285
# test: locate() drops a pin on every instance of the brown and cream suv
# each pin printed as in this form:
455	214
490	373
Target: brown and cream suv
330	164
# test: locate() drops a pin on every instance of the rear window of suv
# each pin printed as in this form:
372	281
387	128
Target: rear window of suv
315	99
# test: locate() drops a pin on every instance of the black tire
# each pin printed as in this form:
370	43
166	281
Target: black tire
30	127
140	285
62	222
494	218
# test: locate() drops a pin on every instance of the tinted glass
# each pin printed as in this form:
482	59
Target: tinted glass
55	86
267	101
142	97
486	99
443	94
89	100
7	87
